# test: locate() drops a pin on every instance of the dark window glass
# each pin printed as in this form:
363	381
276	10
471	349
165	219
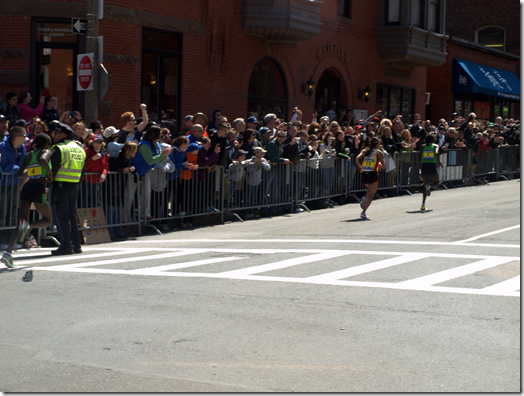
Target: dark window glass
434	15
267	90
393	12
492	37
344	8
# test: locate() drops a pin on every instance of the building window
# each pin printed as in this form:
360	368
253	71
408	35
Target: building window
161	62
393	14
492	37
267	90
418	13
434	16
394	100
344	8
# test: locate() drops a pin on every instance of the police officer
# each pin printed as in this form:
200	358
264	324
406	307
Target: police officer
67	160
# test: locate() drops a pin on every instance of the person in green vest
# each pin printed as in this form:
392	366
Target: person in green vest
36	168
68	161
429	157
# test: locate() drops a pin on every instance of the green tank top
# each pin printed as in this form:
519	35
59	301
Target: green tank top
429	154
35	170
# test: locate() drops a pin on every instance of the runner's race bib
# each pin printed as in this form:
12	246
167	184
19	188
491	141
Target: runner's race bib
34	172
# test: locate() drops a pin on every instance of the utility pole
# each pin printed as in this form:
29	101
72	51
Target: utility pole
91	97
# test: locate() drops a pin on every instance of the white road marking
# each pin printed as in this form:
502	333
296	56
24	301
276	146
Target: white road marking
326	255
509	287
122	260
317	241
69	257
361	269
161	268
488	234
457	272
512	284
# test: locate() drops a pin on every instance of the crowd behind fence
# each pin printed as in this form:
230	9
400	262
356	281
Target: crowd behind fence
152	200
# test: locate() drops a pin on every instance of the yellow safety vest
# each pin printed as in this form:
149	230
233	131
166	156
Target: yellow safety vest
72	163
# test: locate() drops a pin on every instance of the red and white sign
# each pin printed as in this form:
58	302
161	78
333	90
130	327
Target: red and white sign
84	72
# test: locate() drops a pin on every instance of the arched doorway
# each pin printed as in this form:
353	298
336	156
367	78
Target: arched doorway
267	90
329	88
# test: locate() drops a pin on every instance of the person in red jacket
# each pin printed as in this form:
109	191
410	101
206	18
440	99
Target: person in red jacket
95	173
26	112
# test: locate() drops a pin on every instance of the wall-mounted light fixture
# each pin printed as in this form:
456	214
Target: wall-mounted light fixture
364	94
308	87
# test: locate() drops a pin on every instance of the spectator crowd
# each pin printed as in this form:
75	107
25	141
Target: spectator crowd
250	148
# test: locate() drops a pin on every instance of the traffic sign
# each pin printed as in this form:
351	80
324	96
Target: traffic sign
84	72
79	26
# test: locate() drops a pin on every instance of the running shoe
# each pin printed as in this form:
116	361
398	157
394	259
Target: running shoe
364	216
363	202
423	208
23	230
7	259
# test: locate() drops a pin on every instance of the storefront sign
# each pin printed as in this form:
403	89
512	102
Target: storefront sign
334	49
84	72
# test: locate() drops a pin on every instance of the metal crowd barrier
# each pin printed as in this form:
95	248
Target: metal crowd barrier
157	197
456	165
9	197
191	194
508	161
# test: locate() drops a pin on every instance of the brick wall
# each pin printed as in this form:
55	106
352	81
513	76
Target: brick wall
217	65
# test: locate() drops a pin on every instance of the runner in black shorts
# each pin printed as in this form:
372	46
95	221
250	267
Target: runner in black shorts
429	157
368	162
37	168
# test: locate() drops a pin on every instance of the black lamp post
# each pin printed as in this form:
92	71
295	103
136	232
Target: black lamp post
364	94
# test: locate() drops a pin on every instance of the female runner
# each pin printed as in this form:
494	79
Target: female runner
368	162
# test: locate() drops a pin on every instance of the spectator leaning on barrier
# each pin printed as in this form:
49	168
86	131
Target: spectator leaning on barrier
96	162
125	194
12	152
149	153
275	156
256	166
10	108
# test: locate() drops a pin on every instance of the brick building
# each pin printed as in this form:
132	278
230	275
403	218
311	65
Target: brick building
240	56
487	35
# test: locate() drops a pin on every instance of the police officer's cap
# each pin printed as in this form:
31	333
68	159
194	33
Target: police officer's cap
60	127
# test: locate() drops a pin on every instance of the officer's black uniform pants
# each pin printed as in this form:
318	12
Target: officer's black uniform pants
64	205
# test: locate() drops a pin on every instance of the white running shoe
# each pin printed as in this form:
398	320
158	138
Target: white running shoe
364	216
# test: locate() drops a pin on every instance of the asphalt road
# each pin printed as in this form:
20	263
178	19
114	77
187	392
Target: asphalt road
307	302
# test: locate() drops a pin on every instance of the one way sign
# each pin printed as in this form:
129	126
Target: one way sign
79	25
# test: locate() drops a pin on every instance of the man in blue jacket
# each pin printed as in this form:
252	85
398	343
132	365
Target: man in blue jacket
12	152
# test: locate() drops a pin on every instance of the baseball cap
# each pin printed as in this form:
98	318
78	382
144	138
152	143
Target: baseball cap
241	152
264	130
259	150
454	114
110	131
21	123
490	124
2	117
98	138
193	146
188	117
252	120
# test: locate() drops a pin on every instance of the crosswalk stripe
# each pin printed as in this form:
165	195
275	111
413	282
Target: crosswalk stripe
283	264
456	272
162	268
512	284
69	257
361	269
122	260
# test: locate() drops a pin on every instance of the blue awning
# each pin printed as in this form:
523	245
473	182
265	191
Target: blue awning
469	77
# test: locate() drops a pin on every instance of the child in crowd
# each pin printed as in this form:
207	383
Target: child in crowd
254	169
236	172
190	195
209	163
